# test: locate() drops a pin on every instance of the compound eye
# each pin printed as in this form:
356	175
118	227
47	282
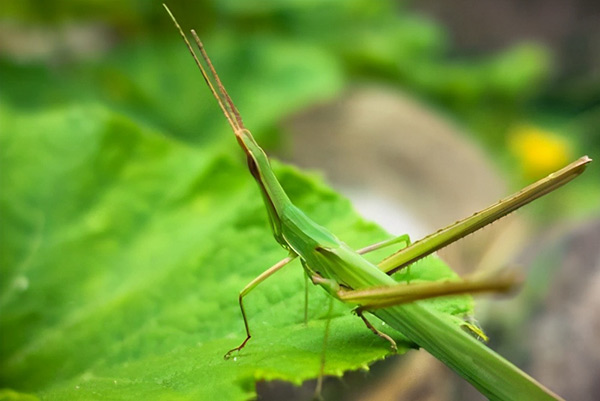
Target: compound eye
252	167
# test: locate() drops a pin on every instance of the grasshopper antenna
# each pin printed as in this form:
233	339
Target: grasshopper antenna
232	108
225	103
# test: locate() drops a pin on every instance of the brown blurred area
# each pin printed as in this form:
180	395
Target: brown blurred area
570	28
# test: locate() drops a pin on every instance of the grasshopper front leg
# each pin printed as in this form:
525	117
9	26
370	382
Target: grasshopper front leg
249	287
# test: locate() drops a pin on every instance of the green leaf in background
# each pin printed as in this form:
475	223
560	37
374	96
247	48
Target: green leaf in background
275	56
159	82
122	254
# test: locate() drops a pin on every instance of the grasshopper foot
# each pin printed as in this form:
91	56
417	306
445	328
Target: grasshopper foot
238	348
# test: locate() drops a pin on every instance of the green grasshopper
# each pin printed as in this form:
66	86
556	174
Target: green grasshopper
349	277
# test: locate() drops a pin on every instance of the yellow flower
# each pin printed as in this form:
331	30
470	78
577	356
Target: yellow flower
540	152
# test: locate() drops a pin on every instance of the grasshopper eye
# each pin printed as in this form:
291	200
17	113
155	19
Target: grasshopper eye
253	167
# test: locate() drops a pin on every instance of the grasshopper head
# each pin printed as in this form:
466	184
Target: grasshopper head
274	196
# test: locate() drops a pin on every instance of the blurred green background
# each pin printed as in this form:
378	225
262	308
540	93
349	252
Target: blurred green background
517	96
520	84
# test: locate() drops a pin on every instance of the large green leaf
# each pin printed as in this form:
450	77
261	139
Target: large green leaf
122	254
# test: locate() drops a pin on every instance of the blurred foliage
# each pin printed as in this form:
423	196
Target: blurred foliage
293	52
